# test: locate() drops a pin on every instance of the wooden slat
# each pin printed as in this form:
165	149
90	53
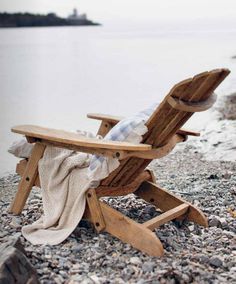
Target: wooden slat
174	116
176	120
161	119
176	91
203	92
166	217
197	81
208	86
123	190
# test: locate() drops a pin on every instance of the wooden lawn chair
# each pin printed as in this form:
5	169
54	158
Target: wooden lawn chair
164	132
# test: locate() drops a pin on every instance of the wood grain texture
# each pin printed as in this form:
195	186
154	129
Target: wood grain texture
192	106
123	190
166	121
114	153
66	137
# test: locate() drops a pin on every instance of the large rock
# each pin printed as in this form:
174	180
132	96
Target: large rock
14	265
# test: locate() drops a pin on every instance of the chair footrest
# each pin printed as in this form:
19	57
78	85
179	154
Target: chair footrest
166	217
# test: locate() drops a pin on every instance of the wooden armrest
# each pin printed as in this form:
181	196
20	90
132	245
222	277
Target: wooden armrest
109	118
188	132
60	137
77	142
115	119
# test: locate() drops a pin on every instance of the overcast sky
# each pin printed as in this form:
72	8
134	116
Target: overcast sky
141	10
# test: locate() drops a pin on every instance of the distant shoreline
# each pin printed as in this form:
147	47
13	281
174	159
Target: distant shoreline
24	20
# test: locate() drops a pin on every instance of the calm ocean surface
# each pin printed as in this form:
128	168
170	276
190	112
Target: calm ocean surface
54	76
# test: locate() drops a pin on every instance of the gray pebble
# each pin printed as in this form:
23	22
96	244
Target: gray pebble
3	234
204	259
63	273
15	222
148	266
214	221
216	261
135	260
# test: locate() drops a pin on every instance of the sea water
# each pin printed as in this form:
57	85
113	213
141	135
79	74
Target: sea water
53	77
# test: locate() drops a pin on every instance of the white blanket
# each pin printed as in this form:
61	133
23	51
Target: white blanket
63	182
64	179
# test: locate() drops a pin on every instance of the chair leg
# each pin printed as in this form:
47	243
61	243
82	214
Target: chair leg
27	180
95	210
128	231
165	200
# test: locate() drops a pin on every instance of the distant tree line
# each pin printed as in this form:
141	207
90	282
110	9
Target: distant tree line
37	20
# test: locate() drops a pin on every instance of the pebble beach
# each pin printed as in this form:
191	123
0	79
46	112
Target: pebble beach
192	254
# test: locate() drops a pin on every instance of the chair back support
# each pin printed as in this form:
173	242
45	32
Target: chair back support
166	120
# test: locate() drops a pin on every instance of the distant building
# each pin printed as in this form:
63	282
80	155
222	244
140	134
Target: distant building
76	16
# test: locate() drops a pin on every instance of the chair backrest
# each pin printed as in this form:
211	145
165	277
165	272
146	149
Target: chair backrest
167	120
